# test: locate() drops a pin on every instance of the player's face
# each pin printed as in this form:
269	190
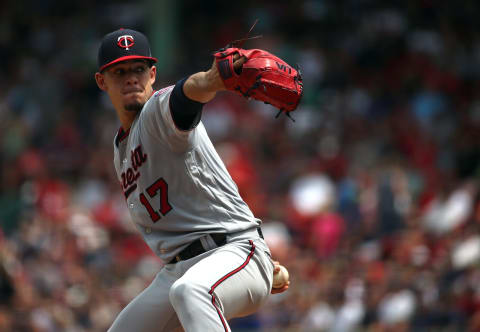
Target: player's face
129	84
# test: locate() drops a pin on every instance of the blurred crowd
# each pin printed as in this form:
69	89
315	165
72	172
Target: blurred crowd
370	198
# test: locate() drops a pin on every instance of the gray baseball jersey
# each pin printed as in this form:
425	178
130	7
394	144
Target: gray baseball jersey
176	186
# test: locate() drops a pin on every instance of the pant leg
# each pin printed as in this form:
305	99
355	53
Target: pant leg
231	282
151	310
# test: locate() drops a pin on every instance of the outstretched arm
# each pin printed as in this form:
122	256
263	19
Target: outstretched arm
189	95
203	86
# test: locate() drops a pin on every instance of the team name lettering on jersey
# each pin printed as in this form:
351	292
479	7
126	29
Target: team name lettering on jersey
131	175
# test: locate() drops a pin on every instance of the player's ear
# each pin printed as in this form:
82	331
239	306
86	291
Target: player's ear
100	79
153	73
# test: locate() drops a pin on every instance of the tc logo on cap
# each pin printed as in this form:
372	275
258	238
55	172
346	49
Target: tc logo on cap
125	41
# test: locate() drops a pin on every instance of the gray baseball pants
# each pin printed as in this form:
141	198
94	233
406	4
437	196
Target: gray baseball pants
204	292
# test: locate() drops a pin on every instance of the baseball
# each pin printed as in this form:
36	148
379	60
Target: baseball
280	278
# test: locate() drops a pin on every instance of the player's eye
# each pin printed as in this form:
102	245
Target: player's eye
140	69
119	71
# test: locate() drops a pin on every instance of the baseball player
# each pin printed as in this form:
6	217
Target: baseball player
180	197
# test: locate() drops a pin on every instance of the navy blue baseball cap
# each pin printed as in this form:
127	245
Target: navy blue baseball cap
123	45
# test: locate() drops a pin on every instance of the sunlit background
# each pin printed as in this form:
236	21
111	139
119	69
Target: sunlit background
370	198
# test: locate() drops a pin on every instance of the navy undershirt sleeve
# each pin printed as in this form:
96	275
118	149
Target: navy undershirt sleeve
186	113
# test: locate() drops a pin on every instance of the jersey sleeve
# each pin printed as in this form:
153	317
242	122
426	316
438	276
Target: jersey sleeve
186	113
156	118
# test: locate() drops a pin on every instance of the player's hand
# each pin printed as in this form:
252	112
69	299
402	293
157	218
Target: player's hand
276	269
213	75
203	86
238	62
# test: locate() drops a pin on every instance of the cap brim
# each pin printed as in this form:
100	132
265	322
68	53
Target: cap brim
125	58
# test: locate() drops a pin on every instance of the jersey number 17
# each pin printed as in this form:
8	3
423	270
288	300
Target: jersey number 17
161	187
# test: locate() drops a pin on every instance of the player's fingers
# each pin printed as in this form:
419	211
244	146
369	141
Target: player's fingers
280	290
276	266
238	62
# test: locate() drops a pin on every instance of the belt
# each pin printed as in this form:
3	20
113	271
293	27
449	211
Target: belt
196	248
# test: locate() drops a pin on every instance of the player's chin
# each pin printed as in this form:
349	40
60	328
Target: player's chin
133	101
134	106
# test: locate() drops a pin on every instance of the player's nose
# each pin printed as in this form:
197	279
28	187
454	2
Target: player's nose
131	78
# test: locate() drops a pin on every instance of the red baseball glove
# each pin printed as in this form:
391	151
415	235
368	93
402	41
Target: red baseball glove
263	76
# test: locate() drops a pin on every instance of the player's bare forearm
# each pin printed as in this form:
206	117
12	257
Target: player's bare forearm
204	85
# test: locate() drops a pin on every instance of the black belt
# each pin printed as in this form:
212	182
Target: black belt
196	248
